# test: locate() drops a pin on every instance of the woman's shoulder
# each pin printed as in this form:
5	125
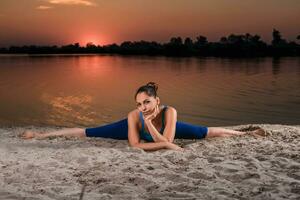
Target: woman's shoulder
133	114
170	113
170	109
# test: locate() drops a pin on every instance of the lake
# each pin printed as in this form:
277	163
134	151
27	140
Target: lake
90	90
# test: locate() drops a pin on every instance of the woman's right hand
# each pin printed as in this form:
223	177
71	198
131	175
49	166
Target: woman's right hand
173	146
152	115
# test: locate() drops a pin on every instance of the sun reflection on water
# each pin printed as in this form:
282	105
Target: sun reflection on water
69	110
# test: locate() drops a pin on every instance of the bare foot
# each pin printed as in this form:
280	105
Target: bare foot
258	132
28	134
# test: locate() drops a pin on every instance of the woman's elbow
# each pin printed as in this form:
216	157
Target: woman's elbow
134	144
137	146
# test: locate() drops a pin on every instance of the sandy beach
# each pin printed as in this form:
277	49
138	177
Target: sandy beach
244	167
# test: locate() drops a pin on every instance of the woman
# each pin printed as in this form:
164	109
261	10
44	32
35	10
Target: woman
151	122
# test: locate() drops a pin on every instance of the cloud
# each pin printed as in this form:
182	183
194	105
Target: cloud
73	2
43	7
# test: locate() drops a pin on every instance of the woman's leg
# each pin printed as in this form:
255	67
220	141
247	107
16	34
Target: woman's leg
222	132
68	132
116	130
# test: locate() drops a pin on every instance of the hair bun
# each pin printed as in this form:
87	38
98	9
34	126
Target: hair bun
150	89
152	84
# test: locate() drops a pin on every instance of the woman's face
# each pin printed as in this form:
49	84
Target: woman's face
146	104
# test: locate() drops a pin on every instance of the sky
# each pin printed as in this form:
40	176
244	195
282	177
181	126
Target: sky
60	22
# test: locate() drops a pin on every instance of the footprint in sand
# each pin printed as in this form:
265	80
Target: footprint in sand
239	176
82	160
214	159
202	176
140	181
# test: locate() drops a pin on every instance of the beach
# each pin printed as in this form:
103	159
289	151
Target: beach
241	167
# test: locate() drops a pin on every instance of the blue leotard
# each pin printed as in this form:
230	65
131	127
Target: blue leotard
119	130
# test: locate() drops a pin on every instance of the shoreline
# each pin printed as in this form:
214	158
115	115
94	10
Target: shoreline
241	167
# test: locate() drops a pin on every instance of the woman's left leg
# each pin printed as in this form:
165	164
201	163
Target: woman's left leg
222	132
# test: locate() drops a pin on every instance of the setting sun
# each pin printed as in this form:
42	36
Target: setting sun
95	39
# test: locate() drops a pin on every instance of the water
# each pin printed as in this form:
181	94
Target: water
90	90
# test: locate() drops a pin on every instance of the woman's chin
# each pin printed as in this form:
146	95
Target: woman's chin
149	112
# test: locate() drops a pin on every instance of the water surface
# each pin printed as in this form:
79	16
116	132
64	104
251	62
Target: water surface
90	90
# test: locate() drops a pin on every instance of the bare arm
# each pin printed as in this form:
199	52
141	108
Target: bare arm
157	137
134	138
170	126
157	146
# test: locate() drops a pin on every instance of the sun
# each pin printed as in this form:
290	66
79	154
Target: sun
94	39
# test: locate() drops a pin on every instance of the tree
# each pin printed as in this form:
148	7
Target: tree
235	39
248	37
277	39
89	45
201	41
298	37
223	40
76	45
255	39
188	42
177	41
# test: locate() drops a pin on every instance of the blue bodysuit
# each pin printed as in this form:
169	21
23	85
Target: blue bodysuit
119	130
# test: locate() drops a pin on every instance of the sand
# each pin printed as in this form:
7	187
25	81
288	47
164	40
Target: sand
242	167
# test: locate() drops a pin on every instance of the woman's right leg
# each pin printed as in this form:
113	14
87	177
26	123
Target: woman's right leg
68	132
116	130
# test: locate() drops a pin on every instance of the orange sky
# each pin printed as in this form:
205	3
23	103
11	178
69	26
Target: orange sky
48	22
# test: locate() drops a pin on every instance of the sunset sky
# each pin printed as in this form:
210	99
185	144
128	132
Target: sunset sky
59	22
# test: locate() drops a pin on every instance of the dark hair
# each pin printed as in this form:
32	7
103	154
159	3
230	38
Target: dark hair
150	89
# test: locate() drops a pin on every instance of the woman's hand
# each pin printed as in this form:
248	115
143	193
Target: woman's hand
152	115
170	145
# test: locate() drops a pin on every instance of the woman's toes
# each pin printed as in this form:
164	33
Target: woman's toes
259	132
27	134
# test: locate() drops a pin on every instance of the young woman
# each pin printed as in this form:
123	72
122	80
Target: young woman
152	122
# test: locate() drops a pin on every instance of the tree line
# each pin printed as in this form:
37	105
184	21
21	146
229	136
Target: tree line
244	45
